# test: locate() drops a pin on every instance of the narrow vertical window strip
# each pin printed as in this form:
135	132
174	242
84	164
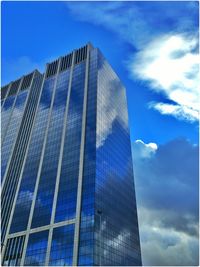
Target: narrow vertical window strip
60	162
9	86
78	205
7	125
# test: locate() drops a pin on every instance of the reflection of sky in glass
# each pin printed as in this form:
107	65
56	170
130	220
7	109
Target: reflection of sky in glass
67	193
9	132
36	249
86	243
62	246
117	235
25	195
6	111
45	194
113	89
109	238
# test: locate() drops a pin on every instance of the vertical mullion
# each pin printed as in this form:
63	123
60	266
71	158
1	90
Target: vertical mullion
17	249
10	250
81	161
21	249
7	249
15	240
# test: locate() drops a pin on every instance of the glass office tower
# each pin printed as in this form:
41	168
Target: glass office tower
68	195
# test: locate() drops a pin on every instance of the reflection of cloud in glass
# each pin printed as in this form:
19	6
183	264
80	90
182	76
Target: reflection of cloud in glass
47	93
24	196
118	232
62	246
108	113
36	249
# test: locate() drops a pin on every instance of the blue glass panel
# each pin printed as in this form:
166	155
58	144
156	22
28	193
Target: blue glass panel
66	201
116	228
6	111
86	248
62	246
25	195
11	129
36	249
44	200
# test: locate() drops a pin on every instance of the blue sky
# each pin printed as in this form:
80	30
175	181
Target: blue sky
153	48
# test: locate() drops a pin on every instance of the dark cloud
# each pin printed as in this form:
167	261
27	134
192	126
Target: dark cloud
167	197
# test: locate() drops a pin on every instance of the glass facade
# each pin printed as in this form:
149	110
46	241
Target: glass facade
11	113
73	197
62	246
46	187
36	249
27	186
67	192
116	227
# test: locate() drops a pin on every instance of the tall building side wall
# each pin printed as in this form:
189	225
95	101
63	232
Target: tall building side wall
116	227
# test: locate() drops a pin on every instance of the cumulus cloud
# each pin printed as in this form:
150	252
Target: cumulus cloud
162	246
166	179
142	150
171	64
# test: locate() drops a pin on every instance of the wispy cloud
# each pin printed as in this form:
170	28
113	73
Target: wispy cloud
178	111
166	47
170	64
137	22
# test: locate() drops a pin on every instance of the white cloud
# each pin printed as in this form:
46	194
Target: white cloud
110	16
178	111
142	150
134	22
163	246
166	58
166	181
171	66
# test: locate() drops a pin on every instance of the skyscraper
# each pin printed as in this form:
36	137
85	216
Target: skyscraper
68	195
